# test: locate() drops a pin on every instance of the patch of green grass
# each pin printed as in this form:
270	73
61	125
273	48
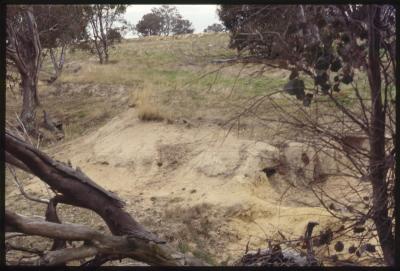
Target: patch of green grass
81	114
183	247
164	63
180	73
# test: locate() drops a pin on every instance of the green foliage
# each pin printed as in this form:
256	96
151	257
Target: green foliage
215	27
114	36
103	20
182	26
149	25
60	24
165	20
169	15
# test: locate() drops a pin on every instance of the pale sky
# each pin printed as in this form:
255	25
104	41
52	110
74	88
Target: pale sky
201	16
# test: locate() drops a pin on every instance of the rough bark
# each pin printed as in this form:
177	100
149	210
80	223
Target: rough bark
377	143
95	243
29	102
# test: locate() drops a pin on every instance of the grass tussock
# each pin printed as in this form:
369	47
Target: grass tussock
150	113
147	107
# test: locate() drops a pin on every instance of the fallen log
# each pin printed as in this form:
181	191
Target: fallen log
74	188
95	242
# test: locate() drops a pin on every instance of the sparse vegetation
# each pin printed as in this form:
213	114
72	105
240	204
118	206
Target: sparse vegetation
227	172
183	247
146	106
149	112
204	255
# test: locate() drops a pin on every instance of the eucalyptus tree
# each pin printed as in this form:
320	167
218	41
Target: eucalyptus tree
23	55
104	19
60	27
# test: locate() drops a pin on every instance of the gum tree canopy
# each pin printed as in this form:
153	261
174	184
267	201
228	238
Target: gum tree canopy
104	19
60	26
30	30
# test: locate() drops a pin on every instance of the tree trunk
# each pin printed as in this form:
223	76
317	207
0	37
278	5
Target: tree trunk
29	102
62	58
103	36
24	50
99	51
377	143
96	40
101	59
57	65
54	61
106	55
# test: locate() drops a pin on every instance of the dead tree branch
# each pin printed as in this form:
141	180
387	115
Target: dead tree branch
77	189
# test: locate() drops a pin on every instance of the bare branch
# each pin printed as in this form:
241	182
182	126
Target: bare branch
65	255
127	245
22	190
10	246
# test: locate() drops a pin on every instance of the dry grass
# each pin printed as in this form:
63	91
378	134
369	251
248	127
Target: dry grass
147	107
72	130
149	112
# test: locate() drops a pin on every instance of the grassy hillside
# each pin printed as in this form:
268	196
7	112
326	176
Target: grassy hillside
174	76
180	181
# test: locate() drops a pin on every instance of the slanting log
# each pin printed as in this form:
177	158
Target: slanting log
77	189
98	242
15	162
95	242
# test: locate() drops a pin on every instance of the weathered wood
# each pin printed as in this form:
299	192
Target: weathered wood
65	170
59	257
77	192
51	216
95	242
15	162
75	188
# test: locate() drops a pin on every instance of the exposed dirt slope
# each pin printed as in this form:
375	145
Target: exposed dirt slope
198	187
